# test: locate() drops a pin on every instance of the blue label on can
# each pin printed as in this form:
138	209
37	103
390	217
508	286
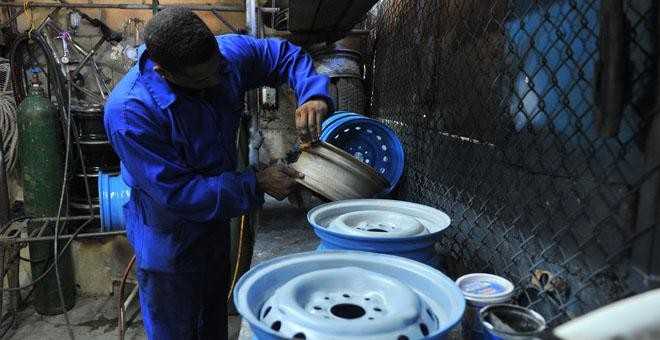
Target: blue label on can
483	288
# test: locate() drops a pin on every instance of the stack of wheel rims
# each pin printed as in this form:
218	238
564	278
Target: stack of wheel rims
98	156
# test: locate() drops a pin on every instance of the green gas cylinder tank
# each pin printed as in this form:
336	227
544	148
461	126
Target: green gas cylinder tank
42	165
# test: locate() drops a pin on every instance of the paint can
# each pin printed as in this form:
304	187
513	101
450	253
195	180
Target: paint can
481	290
503	321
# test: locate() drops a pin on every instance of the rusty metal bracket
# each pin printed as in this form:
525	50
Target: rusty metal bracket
546	281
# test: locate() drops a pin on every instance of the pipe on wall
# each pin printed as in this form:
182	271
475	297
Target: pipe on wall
646	249
220	8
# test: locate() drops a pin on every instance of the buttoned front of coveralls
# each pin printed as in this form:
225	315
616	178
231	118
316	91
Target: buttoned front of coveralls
178	154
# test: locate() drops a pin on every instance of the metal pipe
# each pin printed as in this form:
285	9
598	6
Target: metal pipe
288	34
130	298
88	56
63	218
225	21
255	138
66	237
646	250
221	8
613	73
270	10
250	20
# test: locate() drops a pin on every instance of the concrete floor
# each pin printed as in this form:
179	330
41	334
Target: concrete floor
282	230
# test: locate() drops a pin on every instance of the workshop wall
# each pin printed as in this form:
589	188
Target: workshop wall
98	264
117	19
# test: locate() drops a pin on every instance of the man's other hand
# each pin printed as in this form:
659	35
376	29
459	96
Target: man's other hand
277	180
309	117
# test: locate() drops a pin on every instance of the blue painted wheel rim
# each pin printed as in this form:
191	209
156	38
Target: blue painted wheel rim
113	194
369	140
418	247
336	116
260	284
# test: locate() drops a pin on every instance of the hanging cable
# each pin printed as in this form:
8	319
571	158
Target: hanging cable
28	12
67	144
239	251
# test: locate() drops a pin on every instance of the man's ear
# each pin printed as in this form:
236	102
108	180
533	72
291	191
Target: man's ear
161	71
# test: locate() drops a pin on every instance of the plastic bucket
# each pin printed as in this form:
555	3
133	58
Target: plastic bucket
480	290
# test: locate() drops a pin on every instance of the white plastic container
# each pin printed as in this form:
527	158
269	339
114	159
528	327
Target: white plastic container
481	290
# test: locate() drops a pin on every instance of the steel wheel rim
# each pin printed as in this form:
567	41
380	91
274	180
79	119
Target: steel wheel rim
441	307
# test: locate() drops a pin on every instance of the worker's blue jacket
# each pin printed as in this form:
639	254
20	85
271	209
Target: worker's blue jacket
178	152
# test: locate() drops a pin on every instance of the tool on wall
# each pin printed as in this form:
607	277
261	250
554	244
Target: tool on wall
74	22
128	54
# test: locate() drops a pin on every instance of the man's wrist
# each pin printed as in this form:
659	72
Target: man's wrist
258	181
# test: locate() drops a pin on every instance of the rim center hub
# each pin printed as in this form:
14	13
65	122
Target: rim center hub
377	223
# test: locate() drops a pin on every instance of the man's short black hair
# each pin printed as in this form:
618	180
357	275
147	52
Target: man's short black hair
177	37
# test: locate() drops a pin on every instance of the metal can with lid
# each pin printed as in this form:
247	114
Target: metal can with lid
503	321
480	290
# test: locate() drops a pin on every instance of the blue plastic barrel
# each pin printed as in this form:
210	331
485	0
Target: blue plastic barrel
113	194
369	140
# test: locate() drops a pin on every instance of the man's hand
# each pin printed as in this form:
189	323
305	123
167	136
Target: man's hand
277	180
309	118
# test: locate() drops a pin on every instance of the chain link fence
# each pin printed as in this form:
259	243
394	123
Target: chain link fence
494	103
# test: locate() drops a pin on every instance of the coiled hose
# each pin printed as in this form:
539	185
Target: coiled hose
8	130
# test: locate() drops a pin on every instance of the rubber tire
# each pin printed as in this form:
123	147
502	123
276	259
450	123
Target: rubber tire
333	94
350	95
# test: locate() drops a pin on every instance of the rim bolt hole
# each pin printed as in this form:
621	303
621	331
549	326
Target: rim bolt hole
276	326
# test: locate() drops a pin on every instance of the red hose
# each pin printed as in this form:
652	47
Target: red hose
120	301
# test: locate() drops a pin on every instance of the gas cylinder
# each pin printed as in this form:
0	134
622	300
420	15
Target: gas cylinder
42	164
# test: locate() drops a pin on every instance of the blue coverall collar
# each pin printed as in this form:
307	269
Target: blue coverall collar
158	87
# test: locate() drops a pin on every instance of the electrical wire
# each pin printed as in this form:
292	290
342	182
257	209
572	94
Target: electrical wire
238	258
67	144
28	12
9	324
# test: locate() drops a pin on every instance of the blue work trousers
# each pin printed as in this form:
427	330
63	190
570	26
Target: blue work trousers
185	306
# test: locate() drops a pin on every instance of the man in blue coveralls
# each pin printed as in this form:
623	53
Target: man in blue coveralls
173	121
